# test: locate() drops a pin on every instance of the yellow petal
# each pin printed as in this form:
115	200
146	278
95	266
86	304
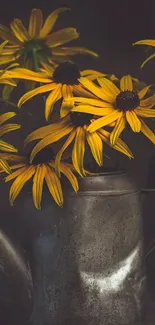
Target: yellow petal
6	34
145	112
50	22
62	36
61	151
39	133
79	90
119	127
86	73
4	166
143	92
27	74
105	135
149	42
97	91
136	80
122	147
7	82
102	121
90	101
66	170
66	106
13	167
99	111
8	58
54	185
109	88
17	166
35	23
19	30
52	98
16	173
9	128
48	69
6	116
45	130
37	187
152	56
148	102
92	74
12	157
13	65
19	183
119	145
34	92
126	83
78	151
96	146
2	46
73	51
4	146
113	78
49	139
94	77
147	132
9	49
133	121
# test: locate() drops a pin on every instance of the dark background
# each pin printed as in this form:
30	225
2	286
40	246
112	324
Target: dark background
108	27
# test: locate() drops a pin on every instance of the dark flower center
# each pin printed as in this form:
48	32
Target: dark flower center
43	156
66	73
36	46
80	119
127	100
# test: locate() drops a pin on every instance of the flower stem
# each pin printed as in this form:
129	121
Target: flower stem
36	66
35	61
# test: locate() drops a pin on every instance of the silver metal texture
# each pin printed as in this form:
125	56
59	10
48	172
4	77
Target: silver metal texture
88	265
15	282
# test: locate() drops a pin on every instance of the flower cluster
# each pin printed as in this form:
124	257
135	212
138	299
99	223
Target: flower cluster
93	108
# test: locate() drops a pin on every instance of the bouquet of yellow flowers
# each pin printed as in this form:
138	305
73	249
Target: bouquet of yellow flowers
85	110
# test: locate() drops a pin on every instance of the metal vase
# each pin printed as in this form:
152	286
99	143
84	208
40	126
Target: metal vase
87	257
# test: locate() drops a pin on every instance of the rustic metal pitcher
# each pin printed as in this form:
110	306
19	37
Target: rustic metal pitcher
87	257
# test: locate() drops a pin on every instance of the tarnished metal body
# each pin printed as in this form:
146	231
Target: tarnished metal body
15	284
88	262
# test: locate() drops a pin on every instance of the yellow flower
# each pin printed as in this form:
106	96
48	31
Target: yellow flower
4	146
38	44
42	169
149	42
117	105
75	127
3	73
61	82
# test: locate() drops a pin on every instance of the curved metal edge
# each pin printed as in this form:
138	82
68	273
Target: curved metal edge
104	193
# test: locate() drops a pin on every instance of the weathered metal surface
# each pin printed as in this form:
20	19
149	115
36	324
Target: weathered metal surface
88	259
15	284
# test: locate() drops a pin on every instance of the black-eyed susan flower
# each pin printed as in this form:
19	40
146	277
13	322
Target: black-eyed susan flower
74	126
42	170
4	146
148	42
61	82
117	105
37	43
